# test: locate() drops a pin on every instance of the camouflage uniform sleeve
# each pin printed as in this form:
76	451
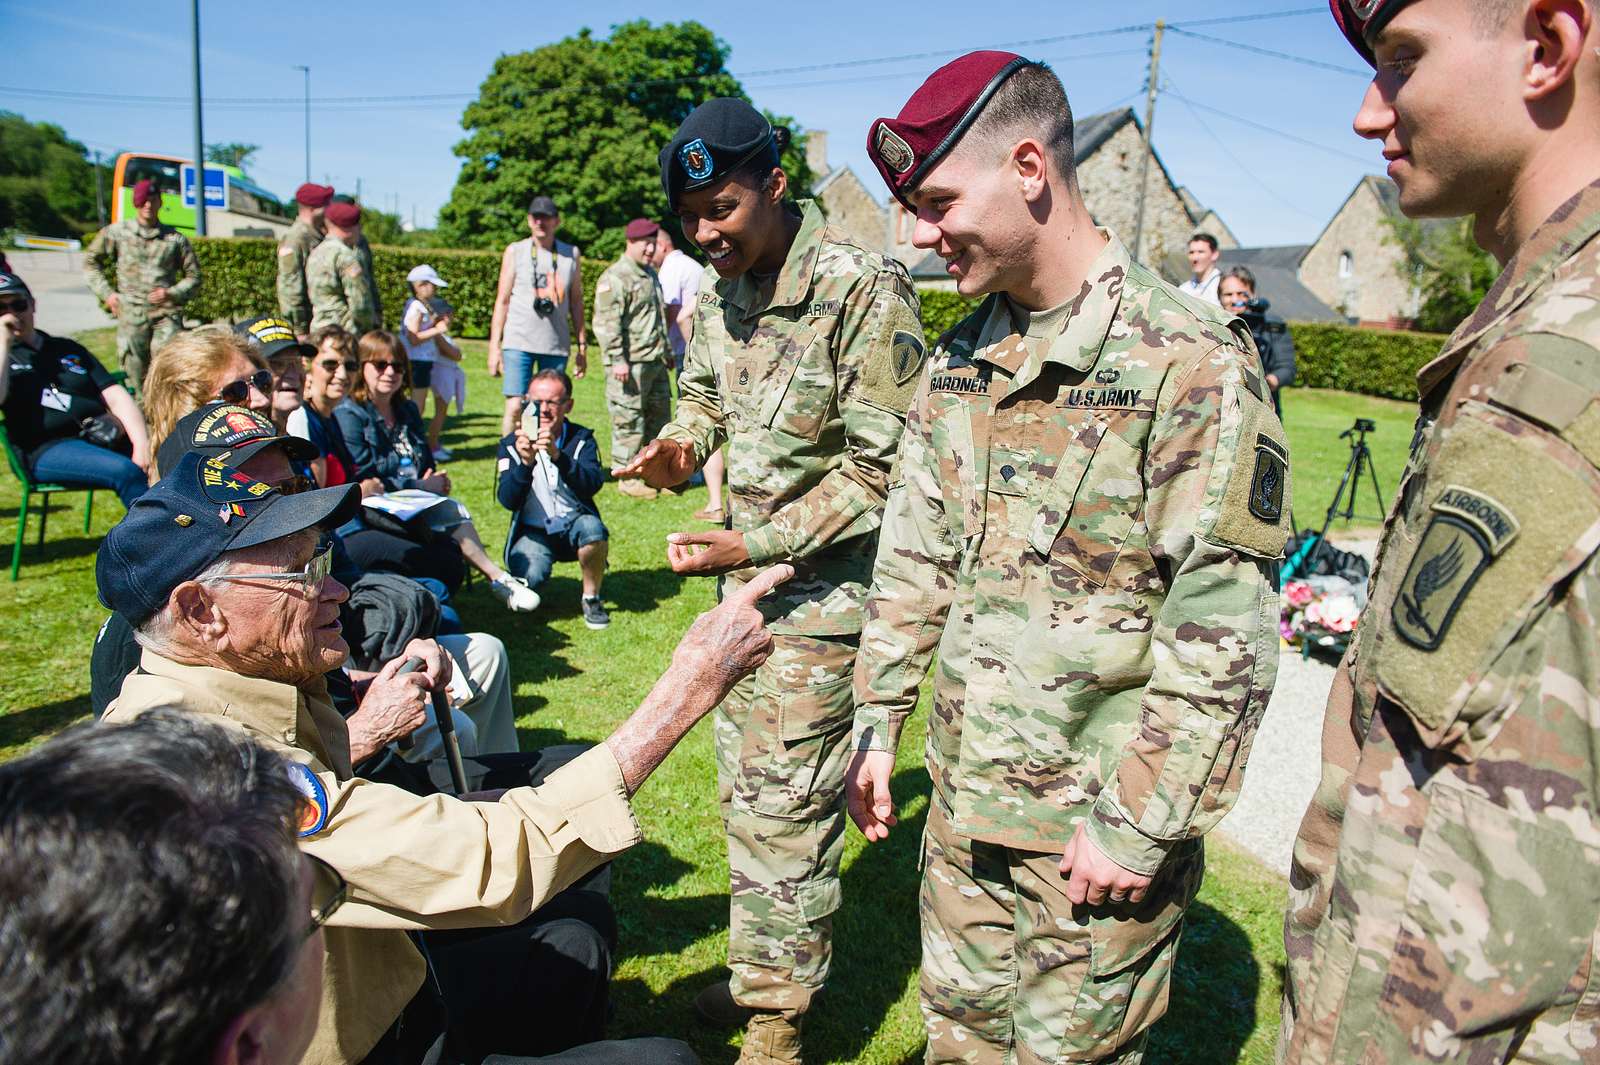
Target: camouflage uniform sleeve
610	311
98	260
294	302
1215	641
357	293
699	418
880	356
913	582
184	290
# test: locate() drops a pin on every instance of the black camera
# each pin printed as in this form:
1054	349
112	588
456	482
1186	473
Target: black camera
1362	425
544	306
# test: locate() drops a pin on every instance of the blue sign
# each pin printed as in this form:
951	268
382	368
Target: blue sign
216	186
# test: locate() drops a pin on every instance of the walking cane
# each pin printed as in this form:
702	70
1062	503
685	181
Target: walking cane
447	729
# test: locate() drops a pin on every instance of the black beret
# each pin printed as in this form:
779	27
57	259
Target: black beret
717	138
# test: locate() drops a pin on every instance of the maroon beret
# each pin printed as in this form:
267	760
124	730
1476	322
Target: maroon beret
641	229
143	191
1362	20
313	195
343	215
906	147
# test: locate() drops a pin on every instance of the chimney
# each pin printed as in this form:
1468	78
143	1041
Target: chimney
817	151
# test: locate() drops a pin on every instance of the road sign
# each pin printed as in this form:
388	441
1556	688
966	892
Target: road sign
216	186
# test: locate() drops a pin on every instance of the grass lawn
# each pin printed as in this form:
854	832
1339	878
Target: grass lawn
672	890
1314	419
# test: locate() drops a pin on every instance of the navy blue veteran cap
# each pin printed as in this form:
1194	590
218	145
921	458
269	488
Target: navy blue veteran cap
12	285
201	509
221	428
717	138
275	335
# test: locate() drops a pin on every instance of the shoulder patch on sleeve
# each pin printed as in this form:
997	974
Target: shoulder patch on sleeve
890	370
314	813
1251	510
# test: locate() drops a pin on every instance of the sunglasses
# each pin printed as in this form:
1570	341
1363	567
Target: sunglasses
239	391
332	365
16	306
328	893
310	578
384	364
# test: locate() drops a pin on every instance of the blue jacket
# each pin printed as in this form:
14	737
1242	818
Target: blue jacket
577	461
371	442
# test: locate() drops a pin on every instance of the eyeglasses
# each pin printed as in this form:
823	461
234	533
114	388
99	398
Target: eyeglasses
239	391
310	578
332	365
17	306
385	364
329	891
295	485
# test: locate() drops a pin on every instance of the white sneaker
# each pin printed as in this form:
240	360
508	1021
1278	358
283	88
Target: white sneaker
515	594
442	454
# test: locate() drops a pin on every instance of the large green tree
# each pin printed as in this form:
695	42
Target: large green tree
233	153
582	120
46	181
1450	271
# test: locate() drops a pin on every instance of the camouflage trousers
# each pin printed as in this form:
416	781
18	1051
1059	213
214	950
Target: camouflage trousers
640	405
137	341
782	740
1013	972
1448	911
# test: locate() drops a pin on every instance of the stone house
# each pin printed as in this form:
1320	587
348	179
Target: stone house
1108	148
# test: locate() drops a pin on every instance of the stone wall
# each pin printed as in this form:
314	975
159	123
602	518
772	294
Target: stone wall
1352	266
851	207
1110	182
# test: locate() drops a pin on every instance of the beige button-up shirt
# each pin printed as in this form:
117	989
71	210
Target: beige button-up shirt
412	862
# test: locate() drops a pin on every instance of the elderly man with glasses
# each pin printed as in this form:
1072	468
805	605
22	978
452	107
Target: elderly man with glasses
225	581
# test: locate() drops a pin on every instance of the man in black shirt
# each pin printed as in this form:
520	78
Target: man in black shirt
49	386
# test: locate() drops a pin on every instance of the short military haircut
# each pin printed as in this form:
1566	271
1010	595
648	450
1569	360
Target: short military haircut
1490	16
1207	237
1029	103
553	375
152	890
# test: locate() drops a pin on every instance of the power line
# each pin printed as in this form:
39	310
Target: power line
1275	132
1274	54
1262	17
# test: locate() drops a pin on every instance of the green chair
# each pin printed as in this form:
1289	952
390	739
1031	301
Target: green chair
30	488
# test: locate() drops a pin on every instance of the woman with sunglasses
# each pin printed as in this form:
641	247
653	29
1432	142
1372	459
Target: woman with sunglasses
49	386
194	368
327	384
384	432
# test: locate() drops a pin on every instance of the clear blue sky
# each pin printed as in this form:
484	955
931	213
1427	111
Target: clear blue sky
1270	188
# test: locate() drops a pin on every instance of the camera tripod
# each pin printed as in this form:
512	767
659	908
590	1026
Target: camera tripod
1360	462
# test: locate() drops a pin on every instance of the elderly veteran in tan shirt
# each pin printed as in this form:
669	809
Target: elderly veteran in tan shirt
225	582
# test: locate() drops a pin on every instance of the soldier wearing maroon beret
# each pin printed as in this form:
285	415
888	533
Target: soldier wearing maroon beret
1444	898
294	300
1089	506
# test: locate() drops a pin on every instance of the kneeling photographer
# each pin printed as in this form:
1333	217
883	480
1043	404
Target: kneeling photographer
1237	292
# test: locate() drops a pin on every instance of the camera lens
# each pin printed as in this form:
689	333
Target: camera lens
544	305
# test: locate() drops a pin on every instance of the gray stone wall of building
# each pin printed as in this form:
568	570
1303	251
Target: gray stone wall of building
848	205
1353	266
1110	182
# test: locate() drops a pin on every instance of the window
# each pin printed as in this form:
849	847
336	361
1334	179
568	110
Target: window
1347	265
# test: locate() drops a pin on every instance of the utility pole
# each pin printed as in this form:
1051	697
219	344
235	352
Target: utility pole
307	72
199	132
1149	129
99	193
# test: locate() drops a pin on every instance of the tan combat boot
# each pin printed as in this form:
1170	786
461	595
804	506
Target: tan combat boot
637	489
771	1039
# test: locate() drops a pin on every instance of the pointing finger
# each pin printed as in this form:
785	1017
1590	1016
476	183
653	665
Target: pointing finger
764	582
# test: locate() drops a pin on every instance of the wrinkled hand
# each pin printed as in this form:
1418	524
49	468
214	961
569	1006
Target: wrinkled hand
496	362
707	553
662	464
728	641
619	370
866	785
580	363
437	664
114	305
1095	879
523	447
394	706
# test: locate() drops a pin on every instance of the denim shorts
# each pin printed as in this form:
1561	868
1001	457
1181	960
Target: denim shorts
520	366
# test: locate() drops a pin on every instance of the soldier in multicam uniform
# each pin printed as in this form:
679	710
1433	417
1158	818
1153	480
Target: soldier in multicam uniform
294	299
156	273
363	252
1090	501
340	291
805	352
1444	899
631	325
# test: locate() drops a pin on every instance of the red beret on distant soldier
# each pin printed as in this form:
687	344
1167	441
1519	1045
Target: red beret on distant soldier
641	229
907	147
1363	20
144	191
343	215
311	195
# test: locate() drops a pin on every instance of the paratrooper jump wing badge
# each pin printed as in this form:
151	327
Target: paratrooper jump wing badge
1467	531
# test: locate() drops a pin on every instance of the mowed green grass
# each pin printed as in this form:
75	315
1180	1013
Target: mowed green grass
671	892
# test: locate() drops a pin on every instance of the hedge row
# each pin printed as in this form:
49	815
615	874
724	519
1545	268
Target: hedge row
241	281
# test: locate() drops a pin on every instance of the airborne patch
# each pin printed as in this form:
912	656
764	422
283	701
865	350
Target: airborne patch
1266	485
315	809
1468	530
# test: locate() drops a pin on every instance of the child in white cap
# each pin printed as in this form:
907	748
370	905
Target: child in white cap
435	358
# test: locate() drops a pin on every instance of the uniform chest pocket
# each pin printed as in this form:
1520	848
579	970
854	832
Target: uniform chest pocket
783	380
1087	510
